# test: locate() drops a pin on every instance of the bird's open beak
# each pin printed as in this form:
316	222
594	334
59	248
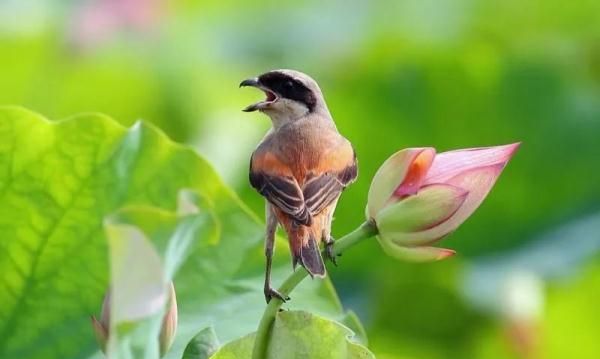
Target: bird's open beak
271	96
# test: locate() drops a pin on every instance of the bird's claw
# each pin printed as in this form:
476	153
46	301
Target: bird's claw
329	253
272	293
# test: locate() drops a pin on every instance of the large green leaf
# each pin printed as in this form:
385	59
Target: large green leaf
299	335
203	345
58	180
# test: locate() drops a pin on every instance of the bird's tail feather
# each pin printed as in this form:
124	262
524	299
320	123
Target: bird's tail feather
310	258
305	249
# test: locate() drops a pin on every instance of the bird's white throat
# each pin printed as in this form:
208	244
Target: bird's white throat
285	111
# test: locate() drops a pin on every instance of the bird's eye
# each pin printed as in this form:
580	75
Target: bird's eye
289	84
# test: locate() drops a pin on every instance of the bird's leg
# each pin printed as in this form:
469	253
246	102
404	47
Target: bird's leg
269	248
329	241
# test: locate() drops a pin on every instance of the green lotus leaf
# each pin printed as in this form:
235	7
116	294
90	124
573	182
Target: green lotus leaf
299	334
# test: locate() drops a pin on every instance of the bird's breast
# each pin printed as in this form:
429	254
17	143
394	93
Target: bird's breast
301	153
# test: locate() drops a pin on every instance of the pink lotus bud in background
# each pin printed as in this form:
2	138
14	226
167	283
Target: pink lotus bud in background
96	21
167	332
169	324
417	196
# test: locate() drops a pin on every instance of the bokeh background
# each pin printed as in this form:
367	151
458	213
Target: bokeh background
448	74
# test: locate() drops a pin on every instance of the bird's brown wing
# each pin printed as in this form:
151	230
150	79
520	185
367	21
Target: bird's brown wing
337	170
272	179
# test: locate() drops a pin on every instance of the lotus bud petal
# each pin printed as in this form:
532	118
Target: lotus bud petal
417	254
392	174
101	326
101	333
429	208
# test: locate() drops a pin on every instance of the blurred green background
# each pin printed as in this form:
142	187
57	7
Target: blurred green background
448	74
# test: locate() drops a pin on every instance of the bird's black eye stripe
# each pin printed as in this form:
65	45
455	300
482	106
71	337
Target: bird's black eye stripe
288	87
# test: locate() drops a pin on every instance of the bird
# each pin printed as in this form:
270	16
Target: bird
301	166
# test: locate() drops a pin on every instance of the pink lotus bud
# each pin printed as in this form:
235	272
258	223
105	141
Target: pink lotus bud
169	324
167	331
417	196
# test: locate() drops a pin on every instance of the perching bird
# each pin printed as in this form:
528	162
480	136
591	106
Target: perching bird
301	167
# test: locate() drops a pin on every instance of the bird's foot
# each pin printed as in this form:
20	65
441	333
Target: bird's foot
329	253
272	293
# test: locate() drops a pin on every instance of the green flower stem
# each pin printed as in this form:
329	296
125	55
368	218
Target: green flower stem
366	230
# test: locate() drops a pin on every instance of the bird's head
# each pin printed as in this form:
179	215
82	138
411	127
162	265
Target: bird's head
291	95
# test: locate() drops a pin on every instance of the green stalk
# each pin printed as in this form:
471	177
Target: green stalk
261	342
